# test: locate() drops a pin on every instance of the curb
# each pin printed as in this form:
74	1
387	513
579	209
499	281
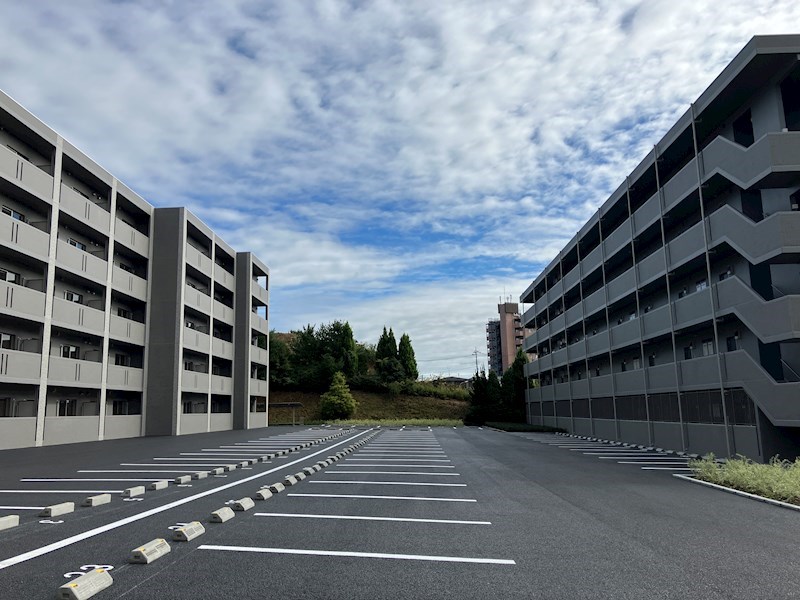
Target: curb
737	492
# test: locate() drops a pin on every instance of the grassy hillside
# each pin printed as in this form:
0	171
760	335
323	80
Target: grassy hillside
370	406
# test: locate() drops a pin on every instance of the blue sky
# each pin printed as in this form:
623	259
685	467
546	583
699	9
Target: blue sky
402	163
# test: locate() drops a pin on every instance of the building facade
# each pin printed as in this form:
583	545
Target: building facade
99	339
504	336
672	318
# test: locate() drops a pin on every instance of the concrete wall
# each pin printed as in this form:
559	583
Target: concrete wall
122	426
17	432
192	423
68	430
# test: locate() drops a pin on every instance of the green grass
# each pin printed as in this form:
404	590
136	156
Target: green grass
400	422
779	480
524	427
372	406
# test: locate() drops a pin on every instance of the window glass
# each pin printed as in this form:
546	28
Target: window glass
77	244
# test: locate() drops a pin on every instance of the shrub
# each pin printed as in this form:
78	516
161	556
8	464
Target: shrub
337	402
779	480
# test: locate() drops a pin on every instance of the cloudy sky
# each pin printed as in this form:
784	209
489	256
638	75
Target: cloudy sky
402	162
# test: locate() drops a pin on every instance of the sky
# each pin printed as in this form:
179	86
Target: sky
402	163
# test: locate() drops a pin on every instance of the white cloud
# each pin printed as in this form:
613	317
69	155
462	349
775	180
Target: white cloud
468	129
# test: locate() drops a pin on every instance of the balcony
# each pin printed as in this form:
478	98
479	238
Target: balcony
651	267
20	301
618	238
529	343
572	278
594	302
625	334
661	378
559	357
20	367
194	381
259	323
686	246
656	322
70	371
580	389
259	387
561	391
221	385
681	184
23	237
197	299
528	316
196	340
629	382
259	355
128	283
600	386
81	262
77	316
223	313
577	351
592	261
31	177
554	293
259	292
125	378
621	286
84	210
647	214
131	238
573	315
597	344
557	324
545	363
693	308
700	372
126	330
224	278
199	260
533	395
221	348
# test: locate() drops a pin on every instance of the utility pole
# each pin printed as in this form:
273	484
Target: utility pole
476	361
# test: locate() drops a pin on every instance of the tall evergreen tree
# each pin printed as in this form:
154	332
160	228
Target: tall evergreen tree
514	389
382	349
405	353
391	345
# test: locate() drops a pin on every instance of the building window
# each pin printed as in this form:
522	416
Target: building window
651	360
683	292
125	267
122	360
66	408
732	342
701	285
597	371
70	296
632	316
14	214
708	347
624	366
687	352
70	351
10	276
77	244
637	364
124	313
188	365
190	324
726	274
81	192
8	341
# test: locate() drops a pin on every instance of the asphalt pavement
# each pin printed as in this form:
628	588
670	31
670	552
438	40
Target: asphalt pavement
402	513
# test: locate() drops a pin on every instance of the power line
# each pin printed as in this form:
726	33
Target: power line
448	357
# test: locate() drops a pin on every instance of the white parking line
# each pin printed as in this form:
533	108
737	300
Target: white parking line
642	456
187	465
455	559
391	483
667	469
328	472
59	492
406	458
373	451
404	466
21	507
383	497
56	480
650	463
137	471
361	518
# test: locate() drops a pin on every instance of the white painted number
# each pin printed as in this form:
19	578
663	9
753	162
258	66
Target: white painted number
50	522
85	569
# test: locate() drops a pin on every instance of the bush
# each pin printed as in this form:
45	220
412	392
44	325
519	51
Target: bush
779	480
337	402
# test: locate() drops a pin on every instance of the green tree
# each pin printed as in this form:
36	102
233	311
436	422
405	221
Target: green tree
390	370
306	360
280	361
513	390
405	353
336	340
387	346
337	402
366	358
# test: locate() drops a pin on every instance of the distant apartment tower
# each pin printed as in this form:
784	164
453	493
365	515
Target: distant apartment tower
117	319
672	318
504	337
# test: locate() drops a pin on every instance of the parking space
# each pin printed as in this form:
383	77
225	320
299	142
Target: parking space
642	457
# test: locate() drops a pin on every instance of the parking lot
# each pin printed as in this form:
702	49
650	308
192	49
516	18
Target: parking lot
400	513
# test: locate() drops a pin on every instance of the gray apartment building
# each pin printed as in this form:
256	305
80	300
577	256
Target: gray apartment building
672	318
117	319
